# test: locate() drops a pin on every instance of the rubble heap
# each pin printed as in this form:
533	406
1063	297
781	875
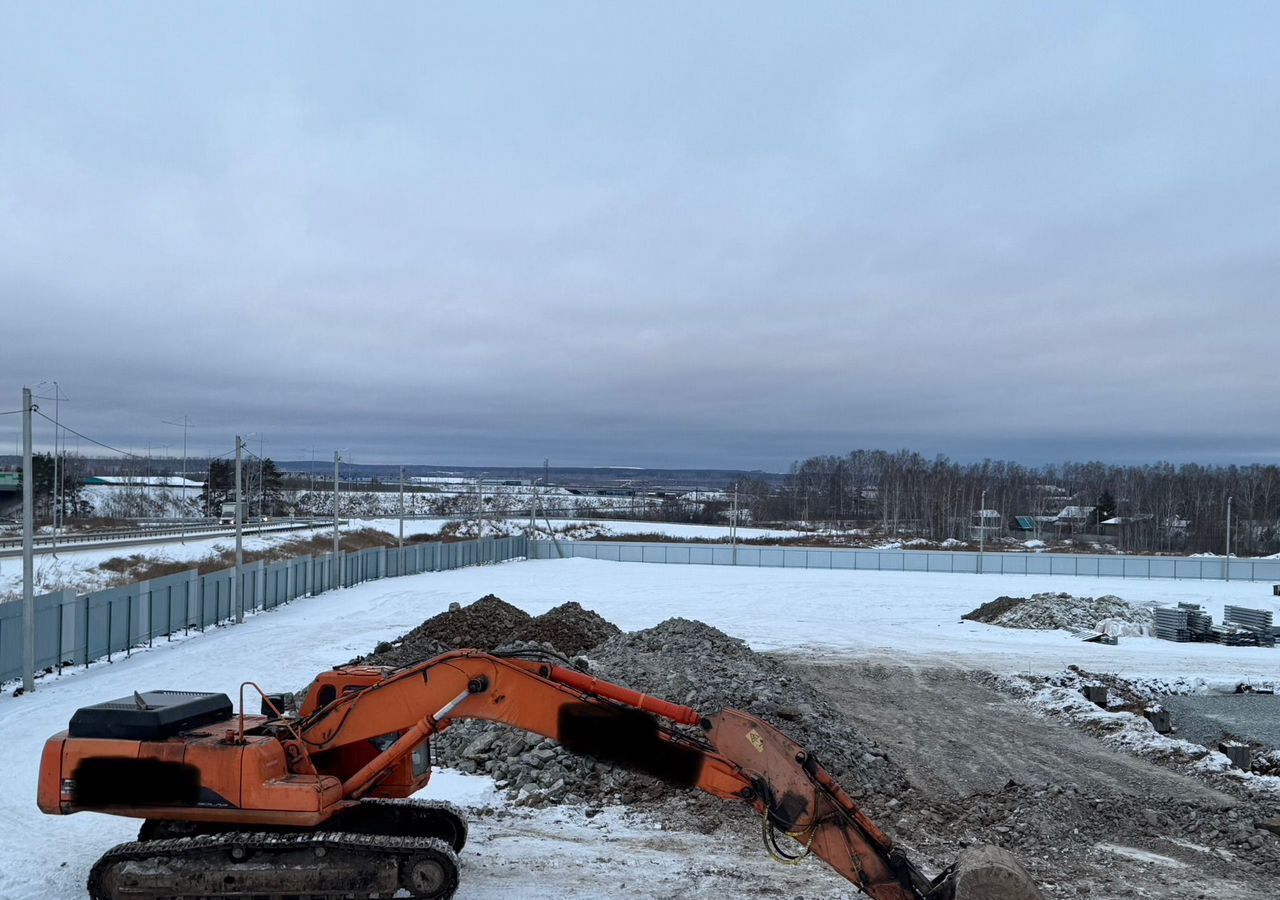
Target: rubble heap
686	662
1048	611
568	628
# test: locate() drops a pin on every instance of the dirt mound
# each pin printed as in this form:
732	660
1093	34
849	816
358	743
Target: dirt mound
991	611
1048	611
568	628
482	625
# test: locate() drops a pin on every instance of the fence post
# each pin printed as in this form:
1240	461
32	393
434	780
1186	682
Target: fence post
144	612
67	632
128	623
192	587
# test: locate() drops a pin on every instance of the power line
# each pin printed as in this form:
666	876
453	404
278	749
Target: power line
87	438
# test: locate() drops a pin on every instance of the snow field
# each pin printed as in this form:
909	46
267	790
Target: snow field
910	617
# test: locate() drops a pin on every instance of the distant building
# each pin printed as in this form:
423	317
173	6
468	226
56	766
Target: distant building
987	523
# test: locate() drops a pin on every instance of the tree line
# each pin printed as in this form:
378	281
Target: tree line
1160	506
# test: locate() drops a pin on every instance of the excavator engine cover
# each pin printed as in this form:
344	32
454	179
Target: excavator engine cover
152	716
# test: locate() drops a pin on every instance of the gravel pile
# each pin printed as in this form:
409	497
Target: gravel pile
568	628
686	662
1049	611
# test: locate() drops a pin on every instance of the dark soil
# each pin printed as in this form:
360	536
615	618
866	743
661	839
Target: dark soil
569	628
990	612
483	625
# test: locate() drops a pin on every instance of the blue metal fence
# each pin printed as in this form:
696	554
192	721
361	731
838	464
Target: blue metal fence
77	629
1083	565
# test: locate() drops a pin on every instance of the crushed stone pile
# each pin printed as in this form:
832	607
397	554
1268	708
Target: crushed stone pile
568	628
1048	611
686	662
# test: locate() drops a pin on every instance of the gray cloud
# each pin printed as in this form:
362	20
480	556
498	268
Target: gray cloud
657	235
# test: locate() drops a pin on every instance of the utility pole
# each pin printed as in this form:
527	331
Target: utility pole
402	507
28	566
57	483
733	526
184	423
239	537
1226	565
982	530
336	460
533	503
262	482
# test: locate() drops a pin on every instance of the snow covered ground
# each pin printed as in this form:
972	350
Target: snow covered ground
603	529
909	617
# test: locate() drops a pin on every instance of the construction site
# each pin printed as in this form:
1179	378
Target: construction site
662	451
1099	753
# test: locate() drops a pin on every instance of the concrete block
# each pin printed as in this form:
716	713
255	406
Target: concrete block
1159	719
1238	753
1095	693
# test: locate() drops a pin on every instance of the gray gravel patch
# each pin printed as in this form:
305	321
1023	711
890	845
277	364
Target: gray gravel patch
1207	718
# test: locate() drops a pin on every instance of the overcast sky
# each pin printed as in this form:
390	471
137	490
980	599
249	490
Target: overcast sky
647	234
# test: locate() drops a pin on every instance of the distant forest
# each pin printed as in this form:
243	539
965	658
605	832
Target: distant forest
1155	507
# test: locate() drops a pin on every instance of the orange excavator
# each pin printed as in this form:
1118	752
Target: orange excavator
313	803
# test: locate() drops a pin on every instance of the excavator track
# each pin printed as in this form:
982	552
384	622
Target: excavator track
412	818
407	818
277	866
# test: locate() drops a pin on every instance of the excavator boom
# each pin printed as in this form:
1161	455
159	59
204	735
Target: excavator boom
284	790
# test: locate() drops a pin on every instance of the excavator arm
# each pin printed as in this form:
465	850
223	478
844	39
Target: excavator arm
728	754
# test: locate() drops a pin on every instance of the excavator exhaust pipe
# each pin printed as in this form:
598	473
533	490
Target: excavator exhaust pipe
988	873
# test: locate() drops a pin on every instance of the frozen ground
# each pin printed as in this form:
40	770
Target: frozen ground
819	614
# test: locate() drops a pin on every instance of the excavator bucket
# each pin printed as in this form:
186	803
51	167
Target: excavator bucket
988	873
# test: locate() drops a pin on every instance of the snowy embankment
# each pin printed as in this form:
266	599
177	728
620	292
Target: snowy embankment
81	570
910	618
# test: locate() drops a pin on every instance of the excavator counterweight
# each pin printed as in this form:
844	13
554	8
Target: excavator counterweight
315	803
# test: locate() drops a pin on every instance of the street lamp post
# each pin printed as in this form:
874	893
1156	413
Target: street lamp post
1226	563
982	532
337	459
